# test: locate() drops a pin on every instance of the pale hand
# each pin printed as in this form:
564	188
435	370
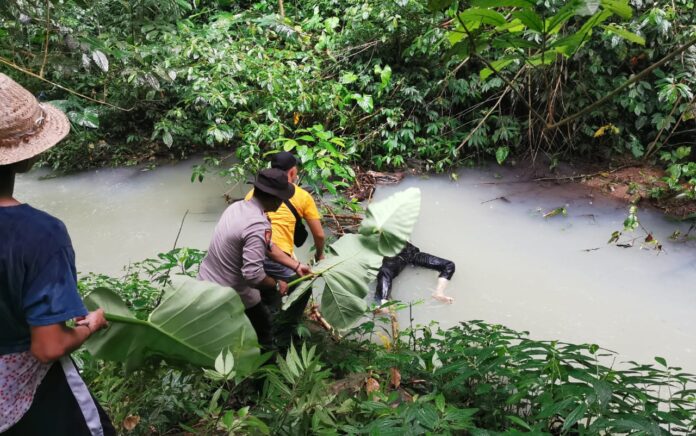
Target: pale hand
95	320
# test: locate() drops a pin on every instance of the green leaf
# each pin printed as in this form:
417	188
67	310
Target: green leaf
438	5
501	154
502	4
625	34
517	420
569	10
548	58
364	101
619	7
587	7
497	65
574	416
603	391
346	276
661	361
195	321
530	19
346	273
348	77
392	220
167	139
614	237
481	16
184	4
440	402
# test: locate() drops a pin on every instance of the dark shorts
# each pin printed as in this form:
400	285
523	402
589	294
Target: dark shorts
63	406
277	270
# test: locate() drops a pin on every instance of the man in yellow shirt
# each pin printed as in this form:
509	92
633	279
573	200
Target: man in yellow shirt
283	224
283	220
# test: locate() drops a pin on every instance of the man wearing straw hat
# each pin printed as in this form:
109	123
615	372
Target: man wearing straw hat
41	391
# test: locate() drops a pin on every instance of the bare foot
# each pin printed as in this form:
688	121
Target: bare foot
381	311
443	298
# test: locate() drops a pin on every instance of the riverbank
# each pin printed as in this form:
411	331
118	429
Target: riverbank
515	267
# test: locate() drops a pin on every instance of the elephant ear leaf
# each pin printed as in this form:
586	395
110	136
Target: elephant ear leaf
345	275
346	284
192	324
391	221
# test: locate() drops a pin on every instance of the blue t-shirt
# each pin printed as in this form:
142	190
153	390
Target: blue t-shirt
38	281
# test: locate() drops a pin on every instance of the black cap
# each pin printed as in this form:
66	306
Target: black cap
274	181
283	160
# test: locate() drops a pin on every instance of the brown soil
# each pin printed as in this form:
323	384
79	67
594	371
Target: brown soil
633	184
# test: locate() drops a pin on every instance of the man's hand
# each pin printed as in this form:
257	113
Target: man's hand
95	321
282	287
303	270
319	257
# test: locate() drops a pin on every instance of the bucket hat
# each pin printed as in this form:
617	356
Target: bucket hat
27	127
274	181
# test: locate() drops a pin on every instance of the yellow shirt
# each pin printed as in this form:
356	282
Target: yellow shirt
283	221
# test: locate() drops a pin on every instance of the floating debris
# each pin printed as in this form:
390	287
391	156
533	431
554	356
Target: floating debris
365	181
557	211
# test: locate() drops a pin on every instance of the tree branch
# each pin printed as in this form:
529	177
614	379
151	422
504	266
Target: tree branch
613	93
36	76
48	31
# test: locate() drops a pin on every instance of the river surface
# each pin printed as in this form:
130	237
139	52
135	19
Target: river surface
514	267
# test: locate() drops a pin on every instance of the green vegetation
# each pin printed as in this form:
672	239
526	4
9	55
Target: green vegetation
377	379
382	84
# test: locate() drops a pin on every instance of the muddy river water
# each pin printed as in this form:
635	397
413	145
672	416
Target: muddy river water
514	266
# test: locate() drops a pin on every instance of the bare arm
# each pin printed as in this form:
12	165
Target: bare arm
318	235
278	255
51	342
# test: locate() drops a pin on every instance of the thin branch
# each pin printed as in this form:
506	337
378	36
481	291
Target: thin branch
181	226
676	125
36	76
48	31
653	145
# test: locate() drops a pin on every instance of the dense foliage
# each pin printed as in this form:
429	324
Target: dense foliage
382	83
475	377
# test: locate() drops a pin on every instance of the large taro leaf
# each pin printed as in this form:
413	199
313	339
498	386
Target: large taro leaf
389	223
355	259
193	323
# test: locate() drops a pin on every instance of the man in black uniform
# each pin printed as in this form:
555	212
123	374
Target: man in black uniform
411	255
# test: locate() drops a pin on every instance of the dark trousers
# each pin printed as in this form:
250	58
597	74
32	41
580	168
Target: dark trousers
56	410
277	326
410	255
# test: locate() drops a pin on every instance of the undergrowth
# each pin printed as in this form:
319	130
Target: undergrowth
474	378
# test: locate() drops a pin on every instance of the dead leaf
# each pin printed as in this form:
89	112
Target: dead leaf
131	422
371	385
557	211
395	377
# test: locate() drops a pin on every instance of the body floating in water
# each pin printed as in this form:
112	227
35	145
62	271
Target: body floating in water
411	255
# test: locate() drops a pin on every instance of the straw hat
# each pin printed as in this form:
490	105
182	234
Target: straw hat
26	127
